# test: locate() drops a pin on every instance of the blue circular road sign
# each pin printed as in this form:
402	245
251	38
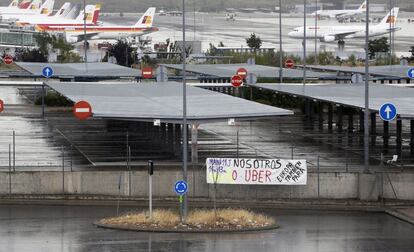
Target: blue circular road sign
181	187
388	112
410	73
47	72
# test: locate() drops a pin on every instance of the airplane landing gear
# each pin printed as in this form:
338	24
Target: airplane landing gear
341	44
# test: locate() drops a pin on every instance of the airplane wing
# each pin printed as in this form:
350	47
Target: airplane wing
81	37
342	35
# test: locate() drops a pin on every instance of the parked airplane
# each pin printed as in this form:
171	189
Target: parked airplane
61	13
15	5
92	15
340	33
339	13
32	7
45	10
94	32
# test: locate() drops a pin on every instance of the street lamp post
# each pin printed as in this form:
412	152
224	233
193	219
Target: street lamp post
366	112
280	44
185	140
85	42
304	42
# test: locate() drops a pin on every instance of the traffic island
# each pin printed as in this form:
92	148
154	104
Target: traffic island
198	221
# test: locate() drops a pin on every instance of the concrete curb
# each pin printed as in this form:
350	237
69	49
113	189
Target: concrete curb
166	230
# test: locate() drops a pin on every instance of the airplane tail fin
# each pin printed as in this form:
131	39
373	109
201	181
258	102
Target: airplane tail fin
92	14
14	3
391	17
95	14
63	10
147	19
24	4
35	5
73	12
363	6
82	15
47	7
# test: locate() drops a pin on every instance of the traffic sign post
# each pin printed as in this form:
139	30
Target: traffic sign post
1	105
242	72
147	73
410	73
181	189
8	60
236	81
289	63
82	110
150	173
388	112
47	72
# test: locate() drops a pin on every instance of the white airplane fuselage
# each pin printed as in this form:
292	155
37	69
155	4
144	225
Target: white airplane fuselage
337	13
326	33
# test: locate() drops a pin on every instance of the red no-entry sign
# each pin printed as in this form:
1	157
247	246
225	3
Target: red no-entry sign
242	72
82	110
289	63
8	60
147	73
236	81
1	105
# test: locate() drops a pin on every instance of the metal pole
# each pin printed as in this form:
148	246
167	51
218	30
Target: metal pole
71	158
237	142
185	140
366	112
119	195
63	171
318	176
150	195
304	42
85	40
280	44
43	100
129	172
390	35
14	150
316	33
393	33
10	171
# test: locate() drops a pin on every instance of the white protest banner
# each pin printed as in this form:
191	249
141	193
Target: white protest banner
256	171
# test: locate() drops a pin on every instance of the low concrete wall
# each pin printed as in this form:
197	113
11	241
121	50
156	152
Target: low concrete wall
332	185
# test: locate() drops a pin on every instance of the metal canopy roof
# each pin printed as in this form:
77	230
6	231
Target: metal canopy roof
397	71
150	101
228	70
351	95
88	70
21	83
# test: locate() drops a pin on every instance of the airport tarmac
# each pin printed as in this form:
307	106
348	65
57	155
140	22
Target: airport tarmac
213	28
70	228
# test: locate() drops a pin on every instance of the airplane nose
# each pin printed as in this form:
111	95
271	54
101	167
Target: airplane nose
291	34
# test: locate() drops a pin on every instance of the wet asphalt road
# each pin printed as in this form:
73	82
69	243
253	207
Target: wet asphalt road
47	228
